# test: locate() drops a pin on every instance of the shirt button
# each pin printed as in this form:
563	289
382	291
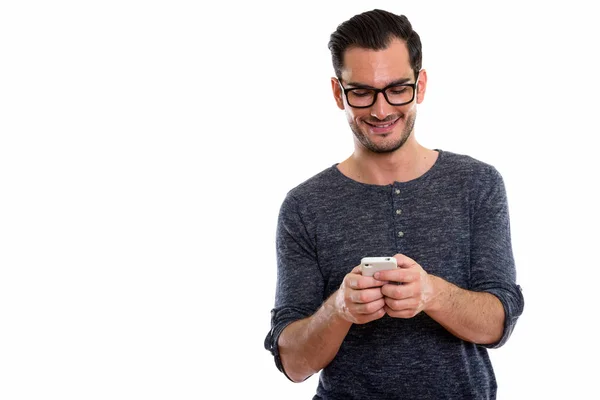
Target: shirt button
400	234
397	191
398	211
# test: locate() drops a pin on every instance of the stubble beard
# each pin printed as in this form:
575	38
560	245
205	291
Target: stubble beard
387	147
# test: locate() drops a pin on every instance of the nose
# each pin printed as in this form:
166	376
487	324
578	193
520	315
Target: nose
381	109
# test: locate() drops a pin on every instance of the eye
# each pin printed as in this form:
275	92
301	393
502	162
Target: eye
361	92
397	90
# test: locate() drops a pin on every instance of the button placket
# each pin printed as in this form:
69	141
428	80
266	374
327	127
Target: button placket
398	212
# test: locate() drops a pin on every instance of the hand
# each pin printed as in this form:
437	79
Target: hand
415	293
359	299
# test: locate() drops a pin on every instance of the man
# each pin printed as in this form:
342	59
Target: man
420	331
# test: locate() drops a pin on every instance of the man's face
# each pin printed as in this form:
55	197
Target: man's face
382	127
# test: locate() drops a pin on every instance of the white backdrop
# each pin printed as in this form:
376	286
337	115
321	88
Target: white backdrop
145	148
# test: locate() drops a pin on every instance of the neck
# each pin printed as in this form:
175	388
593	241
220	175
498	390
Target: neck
405	164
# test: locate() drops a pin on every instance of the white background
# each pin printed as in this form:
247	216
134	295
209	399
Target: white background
145	148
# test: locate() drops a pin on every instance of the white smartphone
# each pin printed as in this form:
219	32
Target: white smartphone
370	265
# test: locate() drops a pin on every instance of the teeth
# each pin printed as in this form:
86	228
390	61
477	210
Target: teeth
383	126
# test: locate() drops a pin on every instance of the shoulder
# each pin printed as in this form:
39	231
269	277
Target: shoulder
465	167
316	186
480	180
313	194
465	163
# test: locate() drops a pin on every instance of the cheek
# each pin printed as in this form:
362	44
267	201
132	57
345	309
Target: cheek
351	115
404	113
411	109
356	116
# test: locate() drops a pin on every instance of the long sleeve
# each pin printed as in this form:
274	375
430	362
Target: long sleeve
299	291
492	261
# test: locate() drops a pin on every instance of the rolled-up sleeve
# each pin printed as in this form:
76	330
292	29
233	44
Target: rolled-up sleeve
299	290
492	262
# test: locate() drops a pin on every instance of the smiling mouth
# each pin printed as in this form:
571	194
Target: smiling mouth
382	126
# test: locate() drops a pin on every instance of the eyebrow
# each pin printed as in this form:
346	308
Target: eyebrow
363	86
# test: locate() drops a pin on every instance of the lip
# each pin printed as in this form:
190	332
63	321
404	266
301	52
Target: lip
382	128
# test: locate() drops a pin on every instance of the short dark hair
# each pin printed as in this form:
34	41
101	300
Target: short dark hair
374	30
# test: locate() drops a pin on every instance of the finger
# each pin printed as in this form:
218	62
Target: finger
405	314
400	292
400	305
363	319
358	271
404	261
396	275
368	308
365	295
363	282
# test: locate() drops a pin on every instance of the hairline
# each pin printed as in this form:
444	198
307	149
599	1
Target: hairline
388	42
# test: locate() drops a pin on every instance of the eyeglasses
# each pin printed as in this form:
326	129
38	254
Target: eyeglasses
395	94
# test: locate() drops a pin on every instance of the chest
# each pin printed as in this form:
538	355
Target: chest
433	228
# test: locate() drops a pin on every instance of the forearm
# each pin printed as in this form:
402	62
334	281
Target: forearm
308	345
476	317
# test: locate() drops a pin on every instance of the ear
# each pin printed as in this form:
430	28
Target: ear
422	85
337	93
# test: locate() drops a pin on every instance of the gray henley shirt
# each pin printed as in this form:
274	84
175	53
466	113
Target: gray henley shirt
453	221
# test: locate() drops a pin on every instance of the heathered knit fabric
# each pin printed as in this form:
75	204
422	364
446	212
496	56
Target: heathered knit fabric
454	222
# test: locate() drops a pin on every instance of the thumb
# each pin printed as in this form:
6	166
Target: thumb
404	261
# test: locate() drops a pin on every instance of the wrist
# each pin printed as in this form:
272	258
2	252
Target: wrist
336	308
333	306
434	293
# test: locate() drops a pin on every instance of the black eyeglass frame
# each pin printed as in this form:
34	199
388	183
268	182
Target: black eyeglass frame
377	91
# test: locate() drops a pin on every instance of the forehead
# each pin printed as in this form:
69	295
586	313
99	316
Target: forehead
377	67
